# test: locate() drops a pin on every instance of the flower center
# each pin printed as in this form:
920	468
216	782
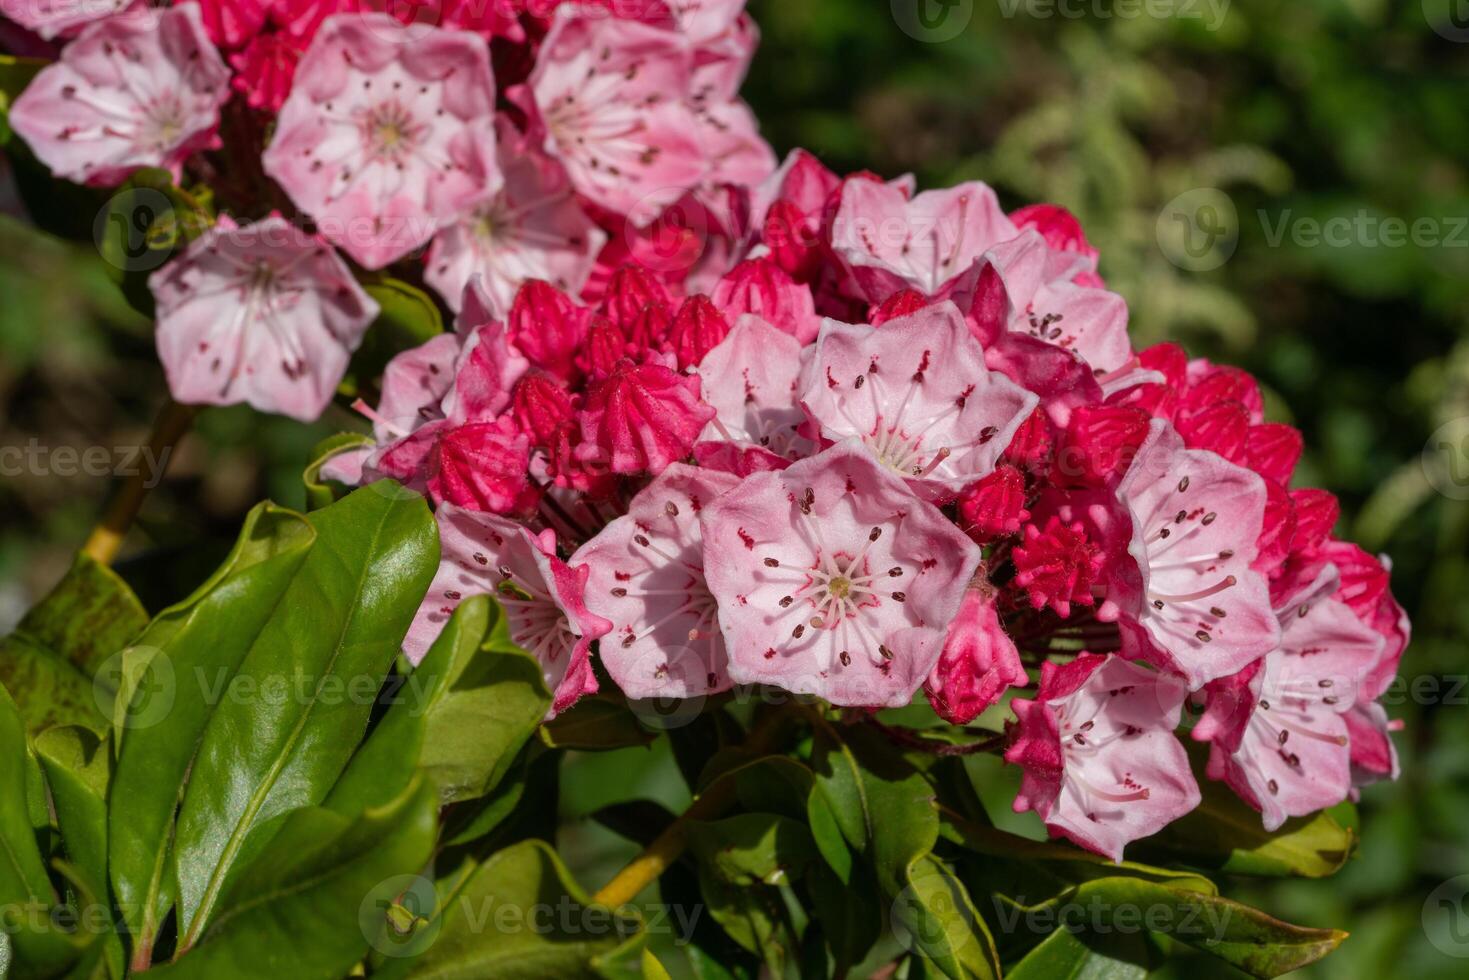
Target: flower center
391	131
839	587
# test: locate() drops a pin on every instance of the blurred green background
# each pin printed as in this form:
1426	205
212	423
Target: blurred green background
1294	112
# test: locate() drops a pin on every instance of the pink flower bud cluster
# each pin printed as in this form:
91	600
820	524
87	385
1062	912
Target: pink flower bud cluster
838	436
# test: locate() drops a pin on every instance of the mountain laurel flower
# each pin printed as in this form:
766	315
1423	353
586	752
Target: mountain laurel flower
62	18
1190	601
1102	766
388	133
647	579
263	314
915	392
833	579
532	228
750	379
140	89
542	596
641	418
1278	731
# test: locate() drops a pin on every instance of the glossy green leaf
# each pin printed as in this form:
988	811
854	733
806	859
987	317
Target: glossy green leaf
26	895
1084	957
303	692
78	768
752	848
176	674
598	723
317	898
1242	936
847	910
754	916
934	915
518	916
49	662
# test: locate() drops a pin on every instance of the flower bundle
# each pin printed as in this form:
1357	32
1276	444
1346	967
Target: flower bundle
716	422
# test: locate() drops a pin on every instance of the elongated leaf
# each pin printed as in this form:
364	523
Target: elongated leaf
318	895
518	916
935	916
263	756
49	661
599	723
78	769
26	895
753	848
1065	954
184	661
1241	936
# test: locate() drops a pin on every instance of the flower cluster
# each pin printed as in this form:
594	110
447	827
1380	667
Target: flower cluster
836	435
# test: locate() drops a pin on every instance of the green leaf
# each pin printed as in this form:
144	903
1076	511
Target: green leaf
317	896
1084	957
1242	936
408	316
1224	834
935	917
753	916
848	912
284	744
752	848
49	661
26	895
599	723
321	492
78	769
171	681
519	916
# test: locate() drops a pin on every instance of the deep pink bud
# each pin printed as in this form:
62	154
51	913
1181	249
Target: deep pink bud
548	328
482	466
1030	448
641	418
792	245
1057	566
1098	445
1273	545
1218	426
1063	233
698	328
901	303
995	506
1212	383
761	287
1316	513
1273	449
606	345
540	406
978	663
632	288
649	329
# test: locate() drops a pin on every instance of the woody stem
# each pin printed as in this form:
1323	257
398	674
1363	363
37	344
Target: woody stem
171	425
666	848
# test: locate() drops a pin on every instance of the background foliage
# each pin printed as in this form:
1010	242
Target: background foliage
1310	109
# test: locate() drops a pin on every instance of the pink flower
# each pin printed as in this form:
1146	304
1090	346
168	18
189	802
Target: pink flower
57	18
265	68
647	578
995	506
1102	766
533	228
1373	756
1062	233
1191	603
916	393
750	380
388	133
978	664
484	376
1098	445
1364	589
890	242
764	289
141	89
263	314
641	418
606	93
1276	730
1057	565
542	597
833	579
